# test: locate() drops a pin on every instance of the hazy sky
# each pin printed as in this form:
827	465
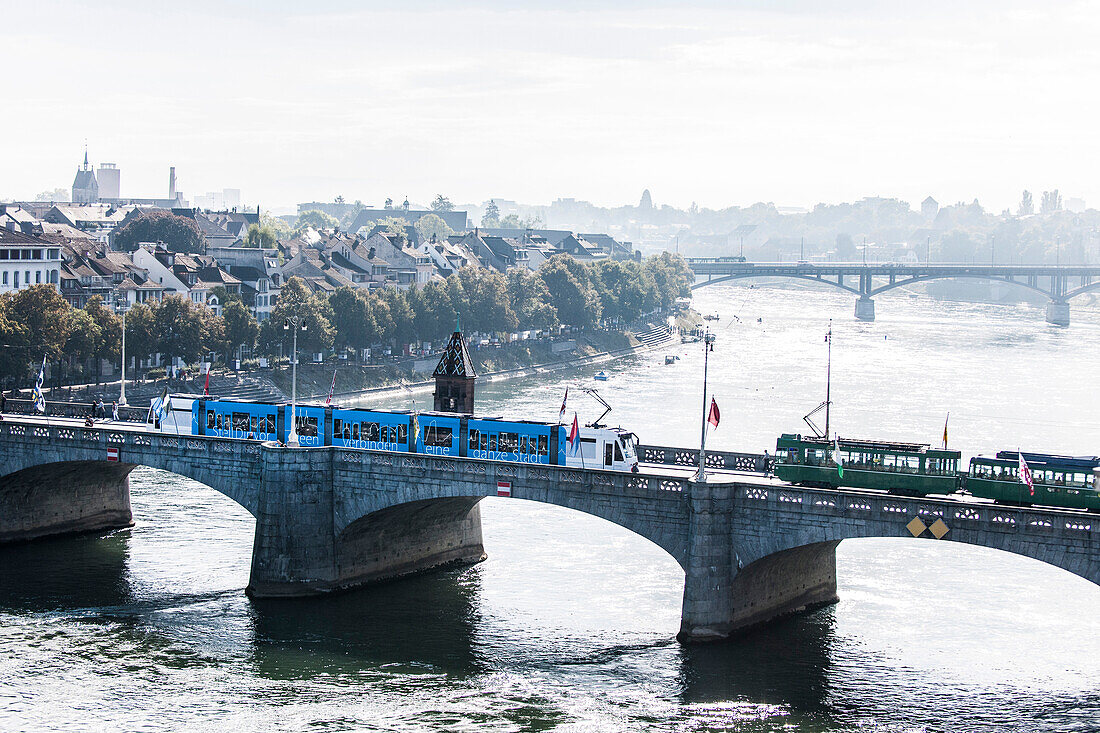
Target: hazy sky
719	103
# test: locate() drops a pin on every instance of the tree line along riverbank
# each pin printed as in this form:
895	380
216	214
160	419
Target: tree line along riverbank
80	345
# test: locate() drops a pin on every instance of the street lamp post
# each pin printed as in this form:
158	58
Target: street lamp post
297	323
121	308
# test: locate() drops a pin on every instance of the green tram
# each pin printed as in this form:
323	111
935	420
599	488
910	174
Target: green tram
904	468
1061	481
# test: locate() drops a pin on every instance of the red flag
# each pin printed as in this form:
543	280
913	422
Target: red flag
561	413
206	387
328	400
714	415
574	434
1025	473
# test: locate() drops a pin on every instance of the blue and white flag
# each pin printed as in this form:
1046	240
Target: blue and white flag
39	399
156	408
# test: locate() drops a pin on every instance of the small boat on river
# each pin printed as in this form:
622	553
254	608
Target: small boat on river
601	376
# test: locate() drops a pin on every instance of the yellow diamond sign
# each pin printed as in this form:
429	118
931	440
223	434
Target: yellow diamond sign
916	527
938	528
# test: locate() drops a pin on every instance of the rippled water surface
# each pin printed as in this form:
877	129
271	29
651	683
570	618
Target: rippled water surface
569	624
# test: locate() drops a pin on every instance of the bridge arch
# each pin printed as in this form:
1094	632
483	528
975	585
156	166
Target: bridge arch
791	276
928	278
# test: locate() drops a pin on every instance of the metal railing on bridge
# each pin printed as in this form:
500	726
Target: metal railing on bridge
75	409
745	462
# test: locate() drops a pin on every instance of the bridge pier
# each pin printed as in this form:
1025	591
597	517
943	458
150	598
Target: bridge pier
1058	312
64	498
722	595
301	550
865	309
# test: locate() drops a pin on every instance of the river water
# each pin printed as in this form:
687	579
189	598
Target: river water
569	625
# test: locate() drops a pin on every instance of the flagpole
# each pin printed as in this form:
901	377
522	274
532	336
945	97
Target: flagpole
828	378
708	340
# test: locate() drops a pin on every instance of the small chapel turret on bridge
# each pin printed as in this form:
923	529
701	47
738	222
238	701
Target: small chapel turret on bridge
454	378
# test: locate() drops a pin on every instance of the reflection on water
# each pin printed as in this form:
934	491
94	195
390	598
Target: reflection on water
422	625
569	624
65	574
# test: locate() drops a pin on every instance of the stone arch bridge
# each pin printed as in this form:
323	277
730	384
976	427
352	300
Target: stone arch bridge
331	518
1059	283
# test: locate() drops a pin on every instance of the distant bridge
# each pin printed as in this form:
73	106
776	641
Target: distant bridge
752	548
1059	283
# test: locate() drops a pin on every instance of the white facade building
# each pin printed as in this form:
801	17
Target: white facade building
26	261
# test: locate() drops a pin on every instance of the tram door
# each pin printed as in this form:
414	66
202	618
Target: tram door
608	454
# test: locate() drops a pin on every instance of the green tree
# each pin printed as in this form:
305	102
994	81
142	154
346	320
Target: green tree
178	328
178	233
316	219
626	289
571	294
260	237
530	300
489	307
241	328
353	319
442	203
46	316
491	219
429	226
295	299
1027	205
396	227
14	339
276	224
83	339
433	313
672	276
108	344
402	330
141	340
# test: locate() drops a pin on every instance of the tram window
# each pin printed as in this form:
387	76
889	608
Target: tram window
509	442
403	434
337	426
210	421
267	424
484	441
307	426
387	434
618	453
542	446
492	441
475	438
240	421
437	436
370	431
252	424
523	444
607	454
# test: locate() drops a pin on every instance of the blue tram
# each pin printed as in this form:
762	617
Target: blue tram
426	433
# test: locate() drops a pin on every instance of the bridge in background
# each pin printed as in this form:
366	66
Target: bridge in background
1059	283
752	548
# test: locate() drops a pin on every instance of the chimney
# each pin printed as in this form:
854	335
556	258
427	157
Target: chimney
172	183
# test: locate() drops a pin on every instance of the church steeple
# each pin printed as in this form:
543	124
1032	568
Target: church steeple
85	156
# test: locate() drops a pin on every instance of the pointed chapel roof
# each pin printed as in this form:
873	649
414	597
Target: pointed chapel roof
456	361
